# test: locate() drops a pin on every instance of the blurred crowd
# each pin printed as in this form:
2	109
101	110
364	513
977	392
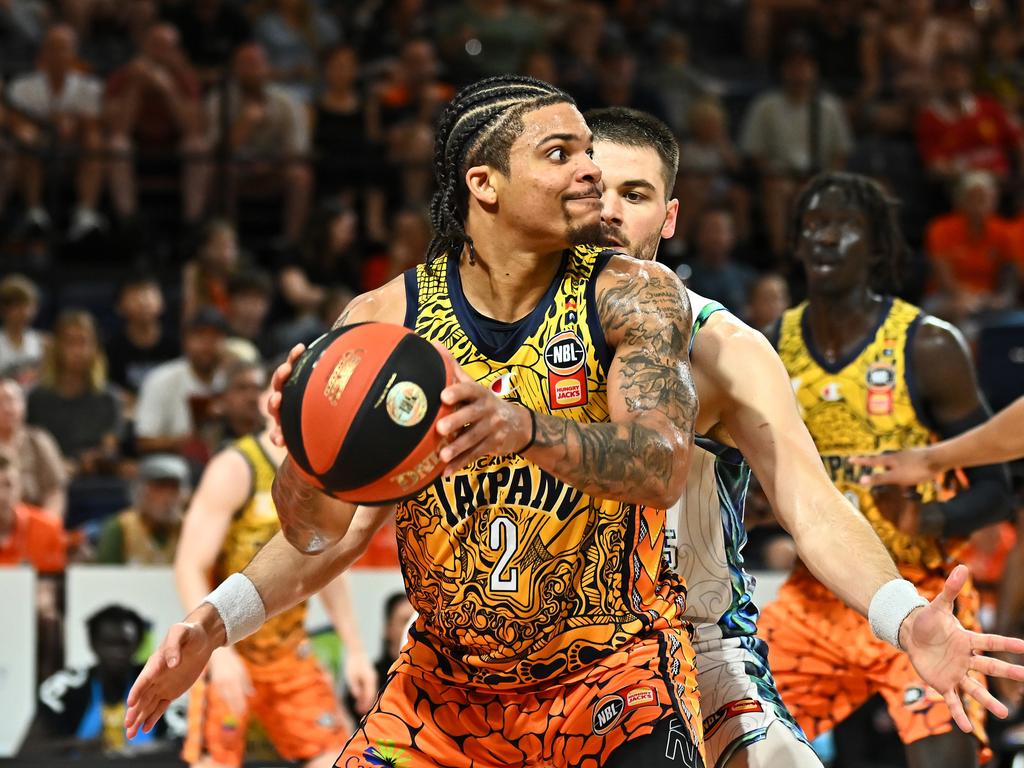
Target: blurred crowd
190	187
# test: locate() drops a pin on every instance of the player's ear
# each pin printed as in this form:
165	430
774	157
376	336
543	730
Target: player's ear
480	181
671	214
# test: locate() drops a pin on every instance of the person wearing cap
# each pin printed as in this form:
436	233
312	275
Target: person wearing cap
147	532
779	135
174	397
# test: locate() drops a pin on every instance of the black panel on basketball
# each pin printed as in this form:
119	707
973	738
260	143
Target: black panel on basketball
293	391
375	444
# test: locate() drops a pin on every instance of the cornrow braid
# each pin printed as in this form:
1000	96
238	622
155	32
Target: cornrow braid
881	210
477	127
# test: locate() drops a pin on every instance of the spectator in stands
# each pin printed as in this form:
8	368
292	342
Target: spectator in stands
22	24
777	135
708	162
960	130
83	709
392	25
713	272
398	613
412	91
312	323
618	84
210	30
153	109
268	139
175	398
109	30
28	535
147	532
767	298
295	34
339	120
1002	71
502	31
204	279
74	402
57	110
21	345
250	293
971	252
43	478
141	342
330	257
914	42
410	228
238	406
677	81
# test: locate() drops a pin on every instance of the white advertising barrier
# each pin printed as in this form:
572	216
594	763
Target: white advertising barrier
17	656
150	591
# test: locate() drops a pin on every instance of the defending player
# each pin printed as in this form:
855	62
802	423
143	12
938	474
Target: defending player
548	631
746	403
872	373
272	674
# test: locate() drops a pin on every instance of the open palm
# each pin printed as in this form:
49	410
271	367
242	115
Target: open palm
944	653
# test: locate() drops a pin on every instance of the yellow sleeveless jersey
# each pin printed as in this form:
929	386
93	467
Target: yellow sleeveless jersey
863	405
518	578
251	528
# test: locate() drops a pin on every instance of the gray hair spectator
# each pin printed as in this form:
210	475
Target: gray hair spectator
147	532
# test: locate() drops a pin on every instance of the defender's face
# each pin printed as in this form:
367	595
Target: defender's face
551	193
634	214
834	243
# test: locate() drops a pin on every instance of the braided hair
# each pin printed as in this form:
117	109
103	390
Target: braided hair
478	127
890	252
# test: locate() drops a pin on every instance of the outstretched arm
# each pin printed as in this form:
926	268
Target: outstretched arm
999	439
642	453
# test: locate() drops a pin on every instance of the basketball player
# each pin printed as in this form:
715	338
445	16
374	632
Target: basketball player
872	373
746	403
546	733
273	673
548	631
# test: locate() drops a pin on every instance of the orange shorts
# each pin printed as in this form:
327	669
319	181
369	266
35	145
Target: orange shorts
827	662
646	689
293	699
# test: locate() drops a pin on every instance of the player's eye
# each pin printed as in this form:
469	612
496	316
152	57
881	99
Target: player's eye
590	153
558	154
635	197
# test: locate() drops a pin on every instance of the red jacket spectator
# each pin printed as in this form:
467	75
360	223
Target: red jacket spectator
34	537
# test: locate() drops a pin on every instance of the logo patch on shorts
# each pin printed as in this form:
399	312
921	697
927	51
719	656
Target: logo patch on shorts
641	696
386	755
607	712
728	711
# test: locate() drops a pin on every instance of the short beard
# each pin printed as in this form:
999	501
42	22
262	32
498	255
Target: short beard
615	239
584	234
647	250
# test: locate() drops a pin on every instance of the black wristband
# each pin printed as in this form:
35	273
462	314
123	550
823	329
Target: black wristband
533	432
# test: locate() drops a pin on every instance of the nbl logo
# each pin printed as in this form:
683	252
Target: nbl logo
564	354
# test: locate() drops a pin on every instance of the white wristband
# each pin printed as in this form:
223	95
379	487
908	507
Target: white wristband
891	604
239	605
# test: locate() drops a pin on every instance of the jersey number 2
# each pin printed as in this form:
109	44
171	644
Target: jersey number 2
504	536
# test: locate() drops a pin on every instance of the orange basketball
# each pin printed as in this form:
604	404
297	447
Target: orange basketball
358	412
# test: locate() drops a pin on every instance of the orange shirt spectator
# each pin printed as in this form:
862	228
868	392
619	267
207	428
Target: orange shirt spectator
975	258
36	537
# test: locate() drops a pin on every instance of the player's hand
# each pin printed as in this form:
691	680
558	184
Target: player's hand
943	653
169	672
361	679
908	467
230	679
1010	692
281	374
482	424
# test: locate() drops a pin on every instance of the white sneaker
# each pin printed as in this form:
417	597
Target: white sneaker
84	222
37	218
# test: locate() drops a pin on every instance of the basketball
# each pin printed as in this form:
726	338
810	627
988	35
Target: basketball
359	409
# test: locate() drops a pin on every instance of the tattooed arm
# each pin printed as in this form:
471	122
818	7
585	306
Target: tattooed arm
642	454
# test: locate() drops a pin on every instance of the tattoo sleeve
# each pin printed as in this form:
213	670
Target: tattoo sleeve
642	454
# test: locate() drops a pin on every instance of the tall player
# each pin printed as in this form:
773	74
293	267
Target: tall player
746	404
548	631
872	373
272	674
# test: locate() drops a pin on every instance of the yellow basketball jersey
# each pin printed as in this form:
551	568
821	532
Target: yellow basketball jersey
863	405
253	525
518	578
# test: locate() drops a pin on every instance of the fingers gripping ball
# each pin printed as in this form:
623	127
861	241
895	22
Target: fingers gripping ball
358	412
